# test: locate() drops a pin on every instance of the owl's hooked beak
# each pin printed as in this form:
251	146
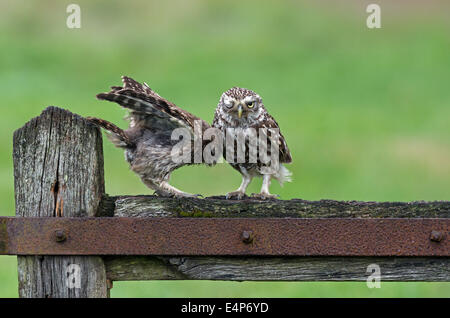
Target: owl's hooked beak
240	111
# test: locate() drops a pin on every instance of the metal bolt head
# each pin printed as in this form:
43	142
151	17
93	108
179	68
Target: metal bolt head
436	236
60	236
247	237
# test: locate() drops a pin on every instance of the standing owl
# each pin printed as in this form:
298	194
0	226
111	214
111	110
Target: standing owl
148	140
239	109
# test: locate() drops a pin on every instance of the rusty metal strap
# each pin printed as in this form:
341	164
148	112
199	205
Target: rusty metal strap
221	236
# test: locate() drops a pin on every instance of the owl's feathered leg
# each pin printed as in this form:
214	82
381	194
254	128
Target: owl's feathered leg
265	194
240	193
165	189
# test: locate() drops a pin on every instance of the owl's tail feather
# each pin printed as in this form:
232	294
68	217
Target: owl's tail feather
117	136
283	175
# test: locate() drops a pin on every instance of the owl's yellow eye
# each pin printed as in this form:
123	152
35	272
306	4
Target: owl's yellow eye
250	104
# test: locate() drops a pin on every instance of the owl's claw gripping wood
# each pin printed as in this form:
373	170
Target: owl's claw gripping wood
164	194
168	191
265	196
167	194
235	195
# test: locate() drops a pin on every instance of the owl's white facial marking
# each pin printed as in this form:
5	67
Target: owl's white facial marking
256	114
248	99
228	101
239	107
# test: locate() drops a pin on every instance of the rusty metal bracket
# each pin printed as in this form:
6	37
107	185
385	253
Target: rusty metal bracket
222	236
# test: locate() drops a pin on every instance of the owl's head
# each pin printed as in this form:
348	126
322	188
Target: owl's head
240	103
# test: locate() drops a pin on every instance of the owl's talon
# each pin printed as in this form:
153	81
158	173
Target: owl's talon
164	194
187	195
236	195
265	196
169	194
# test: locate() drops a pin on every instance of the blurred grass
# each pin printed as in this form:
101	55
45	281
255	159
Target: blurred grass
366	113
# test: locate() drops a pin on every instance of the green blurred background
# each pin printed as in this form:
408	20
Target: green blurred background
366	112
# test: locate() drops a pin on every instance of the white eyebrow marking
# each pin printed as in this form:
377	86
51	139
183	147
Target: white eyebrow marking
249	99
227	100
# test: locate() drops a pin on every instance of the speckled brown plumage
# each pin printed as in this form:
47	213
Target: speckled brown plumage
241	108
147	141
148	145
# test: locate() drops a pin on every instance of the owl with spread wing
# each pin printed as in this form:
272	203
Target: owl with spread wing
148	140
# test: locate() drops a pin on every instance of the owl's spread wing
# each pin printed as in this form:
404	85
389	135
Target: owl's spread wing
147	108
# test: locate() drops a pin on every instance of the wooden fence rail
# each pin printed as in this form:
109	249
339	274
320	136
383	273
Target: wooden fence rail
58	171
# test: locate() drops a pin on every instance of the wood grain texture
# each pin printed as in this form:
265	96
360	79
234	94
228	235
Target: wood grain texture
58	171
153	206
276	268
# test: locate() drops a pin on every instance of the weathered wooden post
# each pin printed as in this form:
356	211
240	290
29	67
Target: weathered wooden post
58	172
